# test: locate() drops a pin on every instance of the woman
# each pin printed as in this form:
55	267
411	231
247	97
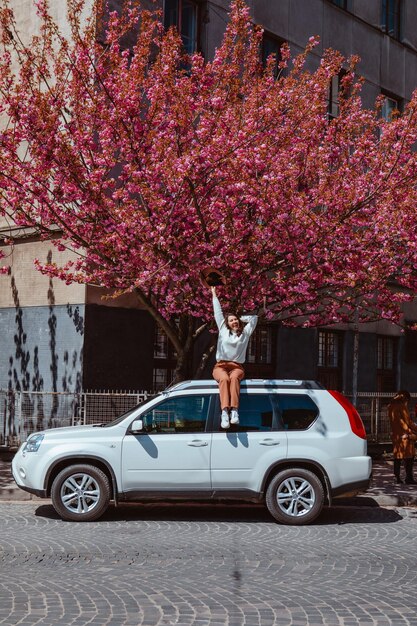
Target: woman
403	435
232	343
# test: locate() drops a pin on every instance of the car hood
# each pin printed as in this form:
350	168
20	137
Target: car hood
73	431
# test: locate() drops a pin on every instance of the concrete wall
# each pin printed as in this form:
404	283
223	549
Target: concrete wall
385	63
41	324
41	348
27	286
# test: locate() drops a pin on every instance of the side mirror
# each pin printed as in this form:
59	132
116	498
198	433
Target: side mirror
137	426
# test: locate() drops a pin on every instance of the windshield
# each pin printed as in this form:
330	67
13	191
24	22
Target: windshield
129	412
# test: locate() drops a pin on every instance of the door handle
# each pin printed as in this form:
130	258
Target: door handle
197	443
269	442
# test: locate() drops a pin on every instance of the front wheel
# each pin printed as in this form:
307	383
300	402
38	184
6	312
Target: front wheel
81	493
295	496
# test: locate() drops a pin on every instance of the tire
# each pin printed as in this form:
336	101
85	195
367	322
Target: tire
80	493
295	496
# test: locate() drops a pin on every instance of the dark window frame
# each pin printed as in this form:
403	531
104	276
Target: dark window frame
162	361
341	4
329	372
387	95
178	21
275	48
392	10
386	362
259	368
333	97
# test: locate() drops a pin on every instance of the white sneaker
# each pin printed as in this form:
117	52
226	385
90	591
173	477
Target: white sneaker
234	416
225	419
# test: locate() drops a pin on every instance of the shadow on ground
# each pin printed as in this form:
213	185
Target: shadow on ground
240	513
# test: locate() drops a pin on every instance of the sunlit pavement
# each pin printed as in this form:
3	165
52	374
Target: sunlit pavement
211	564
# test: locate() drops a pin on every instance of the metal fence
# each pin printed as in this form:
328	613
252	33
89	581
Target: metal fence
24	412
373	409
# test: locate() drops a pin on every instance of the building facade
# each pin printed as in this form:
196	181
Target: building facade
58	337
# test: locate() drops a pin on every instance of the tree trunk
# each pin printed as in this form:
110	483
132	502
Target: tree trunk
183	369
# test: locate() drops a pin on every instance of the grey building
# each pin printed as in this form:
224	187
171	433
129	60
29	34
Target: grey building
55	337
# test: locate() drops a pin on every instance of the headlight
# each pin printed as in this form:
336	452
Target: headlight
33	443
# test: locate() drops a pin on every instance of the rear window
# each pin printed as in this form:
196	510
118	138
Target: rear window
297	412
256	413
270	411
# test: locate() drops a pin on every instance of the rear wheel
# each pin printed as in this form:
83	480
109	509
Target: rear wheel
295	496
81	493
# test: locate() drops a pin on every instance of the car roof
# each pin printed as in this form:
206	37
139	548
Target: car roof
248	383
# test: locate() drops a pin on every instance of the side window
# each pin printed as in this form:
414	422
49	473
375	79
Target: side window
184	414
297	412
257	413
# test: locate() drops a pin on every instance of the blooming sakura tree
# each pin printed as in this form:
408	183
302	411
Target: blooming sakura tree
150	165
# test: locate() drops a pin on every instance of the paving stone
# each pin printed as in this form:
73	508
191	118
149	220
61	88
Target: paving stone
183	566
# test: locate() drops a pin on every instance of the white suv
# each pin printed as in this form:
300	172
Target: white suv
297	445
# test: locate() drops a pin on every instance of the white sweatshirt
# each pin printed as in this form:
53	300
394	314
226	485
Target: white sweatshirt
230	346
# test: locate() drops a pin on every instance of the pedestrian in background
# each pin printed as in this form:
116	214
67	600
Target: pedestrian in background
403	435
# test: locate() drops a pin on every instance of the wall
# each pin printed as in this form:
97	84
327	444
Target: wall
41	348
41	324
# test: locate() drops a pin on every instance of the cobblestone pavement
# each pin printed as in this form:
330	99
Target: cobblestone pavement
207	565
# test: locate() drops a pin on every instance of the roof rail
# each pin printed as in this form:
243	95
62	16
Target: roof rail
249	383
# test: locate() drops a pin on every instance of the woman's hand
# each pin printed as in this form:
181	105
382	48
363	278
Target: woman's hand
213	290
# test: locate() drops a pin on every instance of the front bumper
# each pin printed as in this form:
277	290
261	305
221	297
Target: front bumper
21	475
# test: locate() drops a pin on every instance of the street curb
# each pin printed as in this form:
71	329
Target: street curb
381	500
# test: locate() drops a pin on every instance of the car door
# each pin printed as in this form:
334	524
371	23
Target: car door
172	452
240	455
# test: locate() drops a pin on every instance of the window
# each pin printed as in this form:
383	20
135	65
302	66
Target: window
334	95
297	412
343	4
261	353
386	363
160	350
184	15
260	346
329	371
267	412
187	414
329	348
271	45
164	361
162	377
385	353
389	105
257	412
410	337
391	18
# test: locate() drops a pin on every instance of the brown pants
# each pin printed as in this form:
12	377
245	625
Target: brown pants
228	374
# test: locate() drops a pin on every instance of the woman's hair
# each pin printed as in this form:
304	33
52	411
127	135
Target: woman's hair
241	324
402	396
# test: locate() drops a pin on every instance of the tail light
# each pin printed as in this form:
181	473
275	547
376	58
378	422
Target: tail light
355	421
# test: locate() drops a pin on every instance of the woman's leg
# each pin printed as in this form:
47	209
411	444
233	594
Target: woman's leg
236	374
397	470
221	375
409	478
